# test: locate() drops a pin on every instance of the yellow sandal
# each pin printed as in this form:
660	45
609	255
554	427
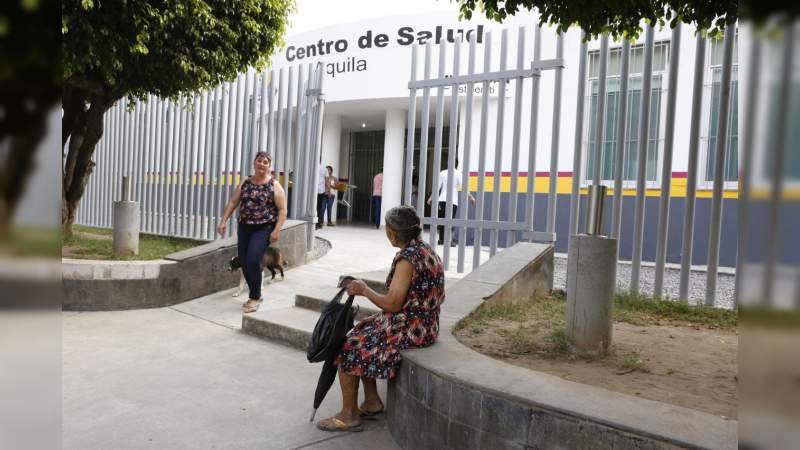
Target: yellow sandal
336	424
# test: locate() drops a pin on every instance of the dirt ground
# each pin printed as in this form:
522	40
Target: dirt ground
682	364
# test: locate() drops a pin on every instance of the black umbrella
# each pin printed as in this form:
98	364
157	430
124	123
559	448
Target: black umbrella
327	339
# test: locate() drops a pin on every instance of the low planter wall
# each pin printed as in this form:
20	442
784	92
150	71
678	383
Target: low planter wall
91	285
448	396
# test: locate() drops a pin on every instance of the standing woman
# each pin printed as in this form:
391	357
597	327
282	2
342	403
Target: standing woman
261	216
330	193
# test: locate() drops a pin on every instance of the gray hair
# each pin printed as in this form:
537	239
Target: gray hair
403	220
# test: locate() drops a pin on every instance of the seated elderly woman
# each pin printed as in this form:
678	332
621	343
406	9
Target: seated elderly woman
409	317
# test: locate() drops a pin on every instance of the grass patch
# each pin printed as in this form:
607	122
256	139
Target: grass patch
632	362
97	243
537	325
639	309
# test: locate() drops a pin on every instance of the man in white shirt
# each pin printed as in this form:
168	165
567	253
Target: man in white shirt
442	202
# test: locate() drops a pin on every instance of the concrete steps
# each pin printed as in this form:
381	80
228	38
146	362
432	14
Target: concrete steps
293	326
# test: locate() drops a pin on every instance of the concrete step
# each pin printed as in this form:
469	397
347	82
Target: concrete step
291	326
316	300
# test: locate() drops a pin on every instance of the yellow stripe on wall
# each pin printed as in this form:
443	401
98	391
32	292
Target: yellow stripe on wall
564	186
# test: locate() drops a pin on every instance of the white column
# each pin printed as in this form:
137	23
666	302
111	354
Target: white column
331	139
331	148
393	160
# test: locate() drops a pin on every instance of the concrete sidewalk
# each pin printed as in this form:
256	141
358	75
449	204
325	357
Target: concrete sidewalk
186	377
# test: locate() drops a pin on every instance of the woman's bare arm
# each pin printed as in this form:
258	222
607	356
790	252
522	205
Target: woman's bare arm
229	208
280	202
394	300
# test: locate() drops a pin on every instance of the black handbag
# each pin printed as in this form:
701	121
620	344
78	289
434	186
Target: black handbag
332	326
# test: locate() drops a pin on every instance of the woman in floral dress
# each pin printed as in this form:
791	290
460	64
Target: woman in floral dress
409	318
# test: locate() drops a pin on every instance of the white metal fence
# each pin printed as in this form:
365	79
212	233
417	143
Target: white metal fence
185	158
523	72
527	70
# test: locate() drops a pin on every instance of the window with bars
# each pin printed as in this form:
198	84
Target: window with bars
636	66
714	75
769	110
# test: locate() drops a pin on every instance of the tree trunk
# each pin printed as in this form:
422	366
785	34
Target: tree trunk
84	131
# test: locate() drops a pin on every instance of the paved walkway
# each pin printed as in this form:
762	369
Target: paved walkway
186	377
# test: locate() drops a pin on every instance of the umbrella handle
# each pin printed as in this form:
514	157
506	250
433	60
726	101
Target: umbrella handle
313	413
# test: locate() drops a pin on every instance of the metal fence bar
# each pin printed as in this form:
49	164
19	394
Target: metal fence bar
147	201
719	166
304	206
320	111
644	127
776	186
213	164
288	145
437	145
142	149
271	117
451	155
534	133
301	105
498	146
619	154
691	176
552	197
262	110
173	172
252	147
422	172
194	180
599	139
219	139
277	160
751	112
183	150
242	148
200	170
666	168
535	69
180	220
162	157
463	212
511	238
411	120
205	146
477	241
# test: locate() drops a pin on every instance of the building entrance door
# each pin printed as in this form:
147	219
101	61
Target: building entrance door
367	157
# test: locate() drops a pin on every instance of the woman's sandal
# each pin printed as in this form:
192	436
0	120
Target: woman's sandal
335	424
252	305
371	415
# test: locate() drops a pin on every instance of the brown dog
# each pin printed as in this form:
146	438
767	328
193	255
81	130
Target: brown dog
272	261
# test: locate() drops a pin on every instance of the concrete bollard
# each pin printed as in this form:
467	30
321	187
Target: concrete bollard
126	224
592	265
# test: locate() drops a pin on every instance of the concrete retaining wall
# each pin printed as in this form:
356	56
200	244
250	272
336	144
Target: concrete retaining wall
89	285
448	396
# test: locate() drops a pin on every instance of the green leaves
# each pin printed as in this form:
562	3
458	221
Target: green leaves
617	17
168	47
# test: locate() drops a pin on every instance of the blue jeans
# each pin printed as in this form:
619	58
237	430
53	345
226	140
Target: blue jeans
376	210
253	241
329	199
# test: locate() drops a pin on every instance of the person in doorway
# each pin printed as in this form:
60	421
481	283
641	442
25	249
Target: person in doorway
322	173
377	192
409	318
442	202
330	193
262	212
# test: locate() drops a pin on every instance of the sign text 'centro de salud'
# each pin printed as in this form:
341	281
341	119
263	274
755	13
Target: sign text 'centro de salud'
369	39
